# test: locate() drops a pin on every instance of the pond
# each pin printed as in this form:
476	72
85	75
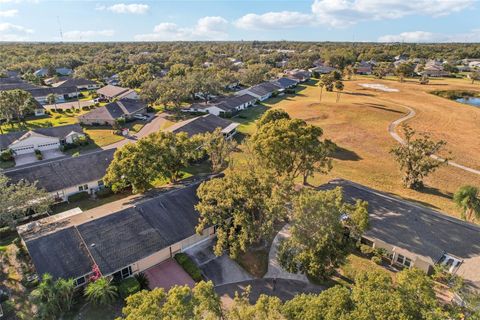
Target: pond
473	101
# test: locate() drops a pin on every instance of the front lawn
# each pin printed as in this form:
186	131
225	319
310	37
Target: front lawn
54	119
87	204
102	135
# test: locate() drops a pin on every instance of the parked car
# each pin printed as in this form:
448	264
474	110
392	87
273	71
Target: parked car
140	117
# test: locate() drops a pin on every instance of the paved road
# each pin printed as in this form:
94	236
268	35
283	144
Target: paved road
153	125
285	289
411	113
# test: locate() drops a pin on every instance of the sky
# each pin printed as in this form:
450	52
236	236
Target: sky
230	20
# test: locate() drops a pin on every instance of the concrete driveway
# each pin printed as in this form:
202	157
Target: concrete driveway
70	105
29	158
153	125
220	270
168	274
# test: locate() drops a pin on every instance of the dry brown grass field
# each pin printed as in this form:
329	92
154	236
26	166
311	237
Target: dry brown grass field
358	123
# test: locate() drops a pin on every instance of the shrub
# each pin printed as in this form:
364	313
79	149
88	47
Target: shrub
6	155
377	259
75	154
57	116
189	266
6	232
366	249
68	110
128	287
104	192
142	280
78	196
38	154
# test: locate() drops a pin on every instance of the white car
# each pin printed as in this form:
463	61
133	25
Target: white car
140	117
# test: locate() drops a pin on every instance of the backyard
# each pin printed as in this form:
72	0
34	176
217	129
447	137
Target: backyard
358	124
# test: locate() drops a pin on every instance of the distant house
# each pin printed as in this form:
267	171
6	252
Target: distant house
417	236
61	93
79	83
113	92
15	83
43	139
121	243
284	83
261	91
298	74
323	69
113	80
203	124
60	71
226	106
433	68
67	176
474	65
363	67
108	114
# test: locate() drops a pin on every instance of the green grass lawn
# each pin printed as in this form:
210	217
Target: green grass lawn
247	118
52	120
102	135
7	164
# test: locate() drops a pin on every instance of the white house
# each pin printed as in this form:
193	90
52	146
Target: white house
42	139
224	106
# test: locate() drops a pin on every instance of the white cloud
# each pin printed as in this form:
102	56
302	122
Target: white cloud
88	35
344	13
10	27
134	8
425	36
273	20
206	28
14	32
8	13
341	13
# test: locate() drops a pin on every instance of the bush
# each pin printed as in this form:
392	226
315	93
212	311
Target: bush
128	287
75	154
68	110
57	116
104	192
6	155
142	280
189	266
78	196
38	154
6	232
377	259
366	249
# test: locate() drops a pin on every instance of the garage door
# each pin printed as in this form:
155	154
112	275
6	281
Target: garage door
23	150
48	146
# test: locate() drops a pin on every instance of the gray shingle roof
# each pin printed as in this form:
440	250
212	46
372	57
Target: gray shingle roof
61	254
417	229
284	82
60	132
111	91
202	124
74	82
42	92
127	236
67	172
233	102
115	110
264	88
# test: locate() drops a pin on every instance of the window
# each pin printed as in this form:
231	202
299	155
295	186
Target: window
79	281
404	261
126	272
83	188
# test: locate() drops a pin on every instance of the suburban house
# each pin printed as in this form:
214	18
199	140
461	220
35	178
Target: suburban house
284	83
108	114
432	68
416	236
121	243
226	106
363	67
43	139
38	109
60	71
61	93
298	74
261	91
67	176
79	83
113	92
113	80
203	124
322	69
15	83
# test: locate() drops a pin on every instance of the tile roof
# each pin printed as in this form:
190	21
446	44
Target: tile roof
66	172
202	124
59	132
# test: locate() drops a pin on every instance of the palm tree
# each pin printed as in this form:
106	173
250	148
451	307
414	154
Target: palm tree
468	199
51	99
339	86
101	292
54	297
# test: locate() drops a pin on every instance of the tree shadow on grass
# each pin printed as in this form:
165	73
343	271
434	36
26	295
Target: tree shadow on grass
435	192
379	106
345	155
